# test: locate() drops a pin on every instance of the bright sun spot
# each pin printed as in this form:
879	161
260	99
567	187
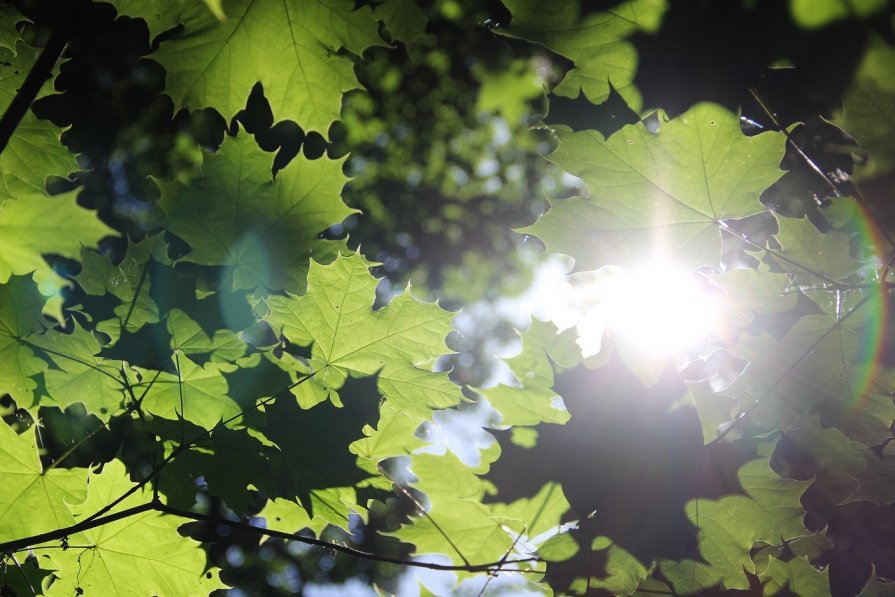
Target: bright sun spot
656	308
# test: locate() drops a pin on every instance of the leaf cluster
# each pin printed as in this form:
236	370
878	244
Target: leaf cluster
190	342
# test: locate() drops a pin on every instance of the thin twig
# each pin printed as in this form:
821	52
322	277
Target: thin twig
416	503
22	572
503	560
74	447
130	309
834	186
806	353
487	567
183	447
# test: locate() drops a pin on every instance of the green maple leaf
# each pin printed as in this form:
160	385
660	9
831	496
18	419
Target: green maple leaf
403	19
79	375
729	527
301	435
281	458
128	281
34	224
835	461
290	48
34	151
540	513
659	196
227	461
822	363
596	44
877	587
876	482
464	524
868	108
329	507
716	411
197	394
9	35
623	572
811	255
20	306
394	435
186	336
797	575
137	555
32	500
750	291
348	337
533	400
27	578
263	230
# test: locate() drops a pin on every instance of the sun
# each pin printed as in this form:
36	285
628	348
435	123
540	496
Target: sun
655	308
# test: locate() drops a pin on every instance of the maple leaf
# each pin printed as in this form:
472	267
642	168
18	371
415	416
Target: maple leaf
117	561
659	196
79	375
9	18
348	337
290	48
128	281
34	224
868	108
262	229
597	44
35	151
32	499
729	527
198	394
20	305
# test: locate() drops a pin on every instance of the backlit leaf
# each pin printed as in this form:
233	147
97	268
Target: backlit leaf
868	108
34	224
396	341
597	44
729	527
20	305
116	561
263	230
35	151
659	196
32	499
290	48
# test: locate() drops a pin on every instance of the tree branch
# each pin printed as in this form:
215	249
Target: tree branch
37	76
21	544
59	534
183	447
487	567
833	184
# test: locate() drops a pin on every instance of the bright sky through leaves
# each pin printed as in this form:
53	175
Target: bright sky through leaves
656	307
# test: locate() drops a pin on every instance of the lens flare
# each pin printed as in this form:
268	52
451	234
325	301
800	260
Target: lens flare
656	308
